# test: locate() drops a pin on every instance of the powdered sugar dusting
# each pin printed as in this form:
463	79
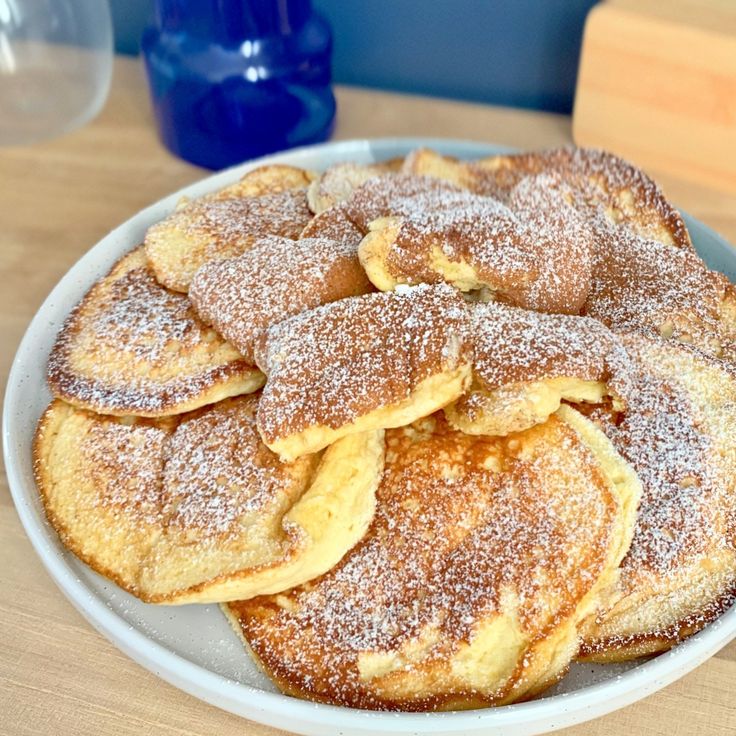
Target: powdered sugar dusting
669	435
514	345
529	256
601	182
376	197
677	432
133	346
450	539
196	474
275	279
125	463
334	363
143	319
217	469
241	220
645	276
334	224
647	286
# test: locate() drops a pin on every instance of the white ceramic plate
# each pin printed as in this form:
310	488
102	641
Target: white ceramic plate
193	647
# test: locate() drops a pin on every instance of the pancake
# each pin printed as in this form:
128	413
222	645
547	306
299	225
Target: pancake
627	196
337	183
654	284
380	197
678	432
277	278
195	509
426	162
269	179
602	182
334	224
369	362
227	223
133	347
526	363
645	274
727	324
537	257
647	277
649	287
484	557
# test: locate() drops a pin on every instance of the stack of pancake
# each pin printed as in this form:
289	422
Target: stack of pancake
428	429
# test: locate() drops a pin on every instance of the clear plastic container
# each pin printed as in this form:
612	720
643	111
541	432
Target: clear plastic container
237	79
55	66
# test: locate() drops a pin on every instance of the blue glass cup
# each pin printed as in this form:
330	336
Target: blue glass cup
237	79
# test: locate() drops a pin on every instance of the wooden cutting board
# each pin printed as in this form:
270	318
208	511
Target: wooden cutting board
657	85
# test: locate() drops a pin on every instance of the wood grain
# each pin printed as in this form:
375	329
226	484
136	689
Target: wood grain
657	84
57	675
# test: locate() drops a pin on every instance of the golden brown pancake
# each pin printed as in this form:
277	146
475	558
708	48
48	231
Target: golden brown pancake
277	278
484	557
525	363
679	433
195	508
336	183
380	197
602	183
537	257
602	180
227	223
269	179
334	224
373	361
645	276
639	281
133	347
649	287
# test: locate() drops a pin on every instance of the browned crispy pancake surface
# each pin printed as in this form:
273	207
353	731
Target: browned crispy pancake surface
195	508
267	201
277	278
378	360
536	255
677	431
484	555
132	346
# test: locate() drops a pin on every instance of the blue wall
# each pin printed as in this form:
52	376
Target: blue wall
129	17
510	52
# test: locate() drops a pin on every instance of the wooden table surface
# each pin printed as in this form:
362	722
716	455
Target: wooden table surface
57	675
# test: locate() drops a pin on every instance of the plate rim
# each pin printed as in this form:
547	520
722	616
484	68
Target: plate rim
548	714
